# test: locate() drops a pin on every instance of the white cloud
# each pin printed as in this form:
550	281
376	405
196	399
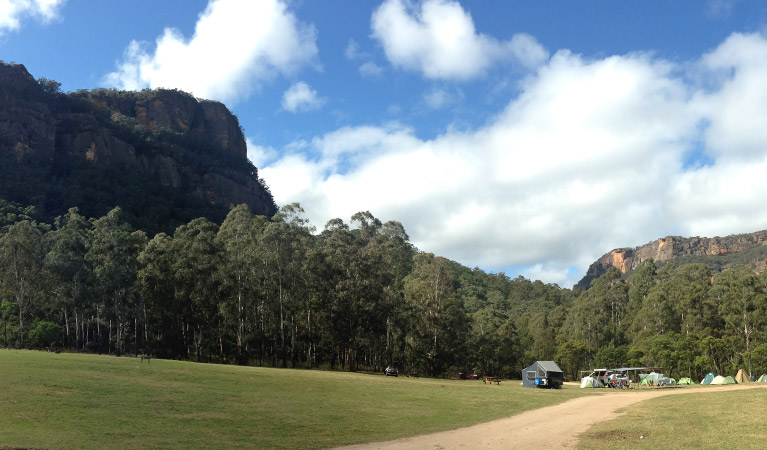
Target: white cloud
585	140
371	70
438	98
720	8
12	12
353	51
590	156
368	69
439	40
260	155
301	97
236	46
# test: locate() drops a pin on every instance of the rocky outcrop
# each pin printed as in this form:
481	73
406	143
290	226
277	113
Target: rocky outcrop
673	248
188	150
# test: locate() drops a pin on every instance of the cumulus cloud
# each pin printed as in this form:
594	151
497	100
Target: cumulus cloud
12	12
237	45
260	155
438	98
585	140
438	39
720	8
591	155
370	69
300	97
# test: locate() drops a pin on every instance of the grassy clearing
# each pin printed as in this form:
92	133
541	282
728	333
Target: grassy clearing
87	401
733	419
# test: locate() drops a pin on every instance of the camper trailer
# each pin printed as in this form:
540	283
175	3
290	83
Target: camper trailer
543	374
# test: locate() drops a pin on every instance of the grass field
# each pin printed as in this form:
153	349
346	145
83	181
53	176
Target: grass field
714	420
86	401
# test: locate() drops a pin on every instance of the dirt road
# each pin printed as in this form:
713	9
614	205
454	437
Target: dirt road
551	427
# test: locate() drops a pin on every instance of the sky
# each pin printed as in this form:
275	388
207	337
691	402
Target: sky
528	138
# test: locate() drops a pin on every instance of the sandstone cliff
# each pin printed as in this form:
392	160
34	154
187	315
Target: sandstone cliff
154	152
717	252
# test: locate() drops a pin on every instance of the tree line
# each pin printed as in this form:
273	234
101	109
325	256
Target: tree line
354	296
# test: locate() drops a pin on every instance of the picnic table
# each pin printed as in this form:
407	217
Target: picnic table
492	380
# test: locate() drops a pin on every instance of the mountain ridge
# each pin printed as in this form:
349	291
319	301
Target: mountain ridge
718	253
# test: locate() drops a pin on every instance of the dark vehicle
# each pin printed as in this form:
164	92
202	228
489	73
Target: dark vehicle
466	376
391	371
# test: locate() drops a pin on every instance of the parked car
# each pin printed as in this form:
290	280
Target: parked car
391	371
466	376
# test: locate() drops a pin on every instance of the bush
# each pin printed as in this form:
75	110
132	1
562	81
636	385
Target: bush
45	334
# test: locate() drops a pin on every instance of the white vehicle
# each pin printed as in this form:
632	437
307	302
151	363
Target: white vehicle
601	376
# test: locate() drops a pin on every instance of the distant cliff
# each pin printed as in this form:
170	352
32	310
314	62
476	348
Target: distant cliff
718	253
162	155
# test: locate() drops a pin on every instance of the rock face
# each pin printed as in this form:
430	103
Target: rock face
716	251
104	148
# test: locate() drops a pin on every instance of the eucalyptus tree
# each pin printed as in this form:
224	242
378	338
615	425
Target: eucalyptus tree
343	314
742	306
688	293
113	259
391	255
197	257
439	327
21	261
240	270
163	319
597	314
283	248
68	272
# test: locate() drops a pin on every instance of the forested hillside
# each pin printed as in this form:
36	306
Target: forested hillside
354	296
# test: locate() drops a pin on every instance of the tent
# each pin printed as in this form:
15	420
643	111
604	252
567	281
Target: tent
762	379
709	378
717	380
685	381
723	380
587	382
544	374
742	377
655	379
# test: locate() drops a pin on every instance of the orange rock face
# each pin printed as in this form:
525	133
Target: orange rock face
673	247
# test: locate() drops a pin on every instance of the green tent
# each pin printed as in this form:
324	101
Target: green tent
685	381
762	379
644	382
709	378
723	380
717	380
671	381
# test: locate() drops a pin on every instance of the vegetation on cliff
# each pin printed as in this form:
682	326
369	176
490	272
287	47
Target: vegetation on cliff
163	156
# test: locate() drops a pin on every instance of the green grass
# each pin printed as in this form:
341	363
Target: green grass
52	400
714	420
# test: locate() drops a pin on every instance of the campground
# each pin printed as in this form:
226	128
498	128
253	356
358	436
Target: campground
64	400
642	418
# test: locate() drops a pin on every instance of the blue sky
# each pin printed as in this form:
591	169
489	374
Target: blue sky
524	137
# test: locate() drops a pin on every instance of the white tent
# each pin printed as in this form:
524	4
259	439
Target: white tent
590	382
